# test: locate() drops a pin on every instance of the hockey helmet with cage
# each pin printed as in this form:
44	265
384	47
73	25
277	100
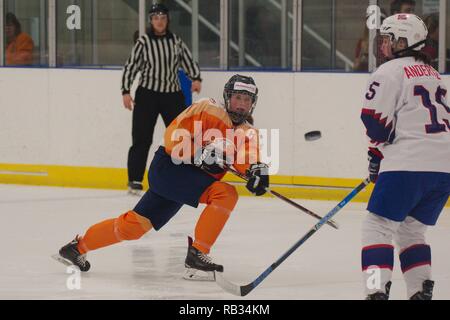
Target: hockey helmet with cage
243	85
408	28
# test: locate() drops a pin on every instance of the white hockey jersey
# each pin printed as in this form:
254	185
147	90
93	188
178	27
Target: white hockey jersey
407	117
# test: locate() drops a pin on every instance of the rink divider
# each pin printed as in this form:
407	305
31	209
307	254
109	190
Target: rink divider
311	188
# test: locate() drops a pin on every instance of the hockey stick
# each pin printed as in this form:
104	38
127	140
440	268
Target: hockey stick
246	289
280	196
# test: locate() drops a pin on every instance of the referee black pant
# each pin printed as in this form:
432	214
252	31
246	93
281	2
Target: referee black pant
148	105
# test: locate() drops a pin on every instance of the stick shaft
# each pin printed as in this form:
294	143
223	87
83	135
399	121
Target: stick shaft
246	289
298	206
313	230
287	200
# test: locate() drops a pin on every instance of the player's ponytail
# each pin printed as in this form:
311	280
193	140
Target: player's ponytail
420	56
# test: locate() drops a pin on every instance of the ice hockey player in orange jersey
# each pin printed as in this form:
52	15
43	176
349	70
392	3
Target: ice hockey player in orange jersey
198	146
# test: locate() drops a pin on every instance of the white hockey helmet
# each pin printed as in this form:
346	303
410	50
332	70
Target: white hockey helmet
406	26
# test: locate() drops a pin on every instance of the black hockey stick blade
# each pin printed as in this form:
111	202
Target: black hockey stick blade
232	288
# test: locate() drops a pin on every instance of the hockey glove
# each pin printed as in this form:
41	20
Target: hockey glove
374	165
211	160
258	178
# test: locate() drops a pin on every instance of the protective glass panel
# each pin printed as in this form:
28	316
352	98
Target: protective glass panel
95	33
201	37
260	33
335	35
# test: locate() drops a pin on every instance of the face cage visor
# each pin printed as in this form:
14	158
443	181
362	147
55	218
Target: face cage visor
387	48
237	117
382	48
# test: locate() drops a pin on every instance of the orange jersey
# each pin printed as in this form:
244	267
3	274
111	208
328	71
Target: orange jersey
20	51
204	122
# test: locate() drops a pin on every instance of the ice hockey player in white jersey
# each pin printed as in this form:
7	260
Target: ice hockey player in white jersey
408	124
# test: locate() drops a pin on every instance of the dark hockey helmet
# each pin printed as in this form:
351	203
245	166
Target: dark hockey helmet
243	85
158	8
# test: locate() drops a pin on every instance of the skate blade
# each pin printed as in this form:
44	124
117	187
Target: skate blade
60	259
136	193
198	275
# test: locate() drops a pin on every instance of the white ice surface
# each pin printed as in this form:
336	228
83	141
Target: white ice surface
37	221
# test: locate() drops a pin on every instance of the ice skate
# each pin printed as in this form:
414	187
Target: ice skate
69	256
135	188
199	266
380	295
426	293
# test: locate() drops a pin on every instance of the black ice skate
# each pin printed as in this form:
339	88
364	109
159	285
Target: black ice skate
69	256
199	266
426	293
380	295
135	188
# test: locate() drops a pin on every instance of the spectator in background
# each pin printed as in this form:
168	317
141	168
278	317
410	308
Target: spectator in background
19	45
432	43
403	6
361	62
431	48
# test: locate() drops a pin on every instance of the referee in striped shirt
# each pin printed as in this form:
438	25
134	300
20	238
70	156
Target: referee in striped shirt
157	55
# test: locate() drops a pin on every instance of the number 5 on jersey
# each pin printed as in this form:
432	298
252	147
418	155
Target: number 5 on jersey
371	93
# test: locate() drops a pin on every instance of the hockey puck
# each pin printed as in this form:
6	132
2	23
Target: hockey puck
313	135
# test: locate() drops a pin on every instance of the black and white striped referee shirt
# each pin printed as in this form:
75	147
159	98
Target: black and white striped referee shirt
158	58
